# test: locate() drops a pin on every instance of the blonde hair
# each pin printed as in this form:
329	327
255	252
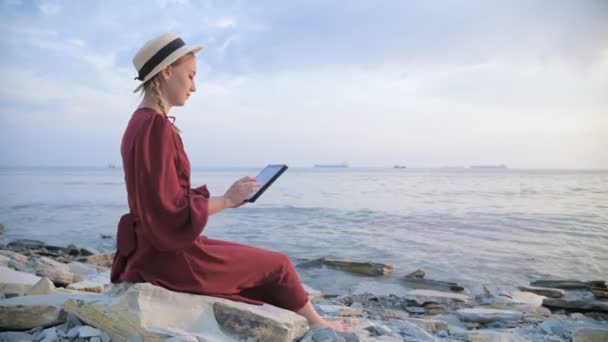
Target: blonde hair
153	85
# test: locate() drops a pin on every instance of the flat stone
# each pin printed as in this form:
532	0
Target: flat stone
415	310
581	302
388	314
16	282
490	336
480	315
58	273
430	325
430	296
413	331
569	284
591	335
544	291
98	259
27	312
152	313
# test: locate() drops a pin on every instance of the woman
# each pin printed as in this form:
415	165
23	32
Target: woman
159	240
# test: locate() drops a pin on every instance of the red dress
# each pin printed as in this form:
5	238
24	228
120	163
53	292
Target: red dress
160	240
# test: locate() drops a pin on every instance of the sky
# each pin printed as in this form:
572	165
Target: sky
371	83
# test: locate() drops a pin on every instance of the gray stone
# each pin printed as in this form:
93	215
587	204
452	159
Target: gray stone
480	315
591	335
14	336
50	335
581	302
430	325
95	339
490	336
415	309
412	331
569	284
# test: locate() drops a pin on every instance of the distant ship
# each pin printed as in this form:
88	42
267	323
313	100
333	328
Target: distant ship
399	167
342	165
111	166
500	166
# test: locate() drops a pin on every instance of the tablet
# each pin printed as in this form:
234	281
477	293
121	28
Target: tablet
266	177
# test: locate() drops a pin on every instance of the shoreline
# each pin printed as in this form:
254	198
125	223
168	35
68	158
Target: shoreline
425	310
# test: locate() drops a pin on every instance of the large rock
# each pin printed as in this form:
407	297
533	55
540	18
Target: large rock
367	268
481	315
15	282
430	296
591	335
14	255
59	273
154	314
27	312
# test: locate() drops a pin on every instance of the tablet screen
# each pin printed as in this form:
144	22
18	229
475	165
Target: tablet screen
266	177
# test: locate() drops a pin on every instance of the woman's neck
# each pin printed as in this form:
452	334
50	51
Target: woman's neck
152	102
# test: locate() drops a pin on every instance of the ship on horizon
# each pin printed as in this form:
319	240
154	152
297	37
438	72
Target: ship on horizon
499	166
341	165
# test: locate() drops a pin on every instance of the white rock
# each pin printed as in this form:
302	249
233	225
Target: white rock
87	286
430	296
50	335
312	293
27	312
43	287
88	331
14	256
155	313
480	315
526	298
16	282
58	273
4	260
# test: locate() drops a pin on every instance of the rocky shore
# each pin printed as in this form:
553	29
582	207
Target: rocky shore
53	293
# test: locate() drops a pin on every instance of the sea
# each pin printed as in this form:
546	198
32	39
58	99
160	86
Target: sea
499	228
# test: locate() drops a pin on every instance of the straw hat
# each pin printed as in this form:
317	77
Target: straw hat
159	53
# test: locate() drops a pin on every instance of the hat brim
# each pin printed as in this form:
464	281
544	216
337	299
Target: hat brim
175	55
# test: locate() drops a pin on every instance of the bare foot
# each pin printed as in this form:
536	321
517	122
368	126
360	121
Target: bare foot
339	326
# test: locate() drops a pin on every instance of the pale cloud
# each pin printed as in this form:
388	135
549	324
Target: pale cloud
225	23
49	7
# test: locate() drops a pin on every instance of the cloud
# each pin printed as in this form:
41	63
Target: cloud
49	7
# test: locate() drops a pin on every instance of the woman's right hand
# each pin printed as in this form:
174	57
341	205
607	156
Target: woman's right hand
240	190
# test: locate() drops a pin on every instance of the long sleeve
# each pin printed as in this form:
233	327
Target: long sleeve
171	214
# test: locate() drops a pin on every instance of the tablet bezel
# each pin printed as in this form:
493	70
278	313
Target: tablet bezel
274	177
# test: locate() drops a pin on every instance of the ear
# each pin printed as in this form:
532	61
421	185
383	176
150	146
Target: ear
166	73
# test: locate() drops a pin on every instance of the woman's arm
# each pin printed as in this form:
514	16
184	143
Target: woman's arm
235	196
217	204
